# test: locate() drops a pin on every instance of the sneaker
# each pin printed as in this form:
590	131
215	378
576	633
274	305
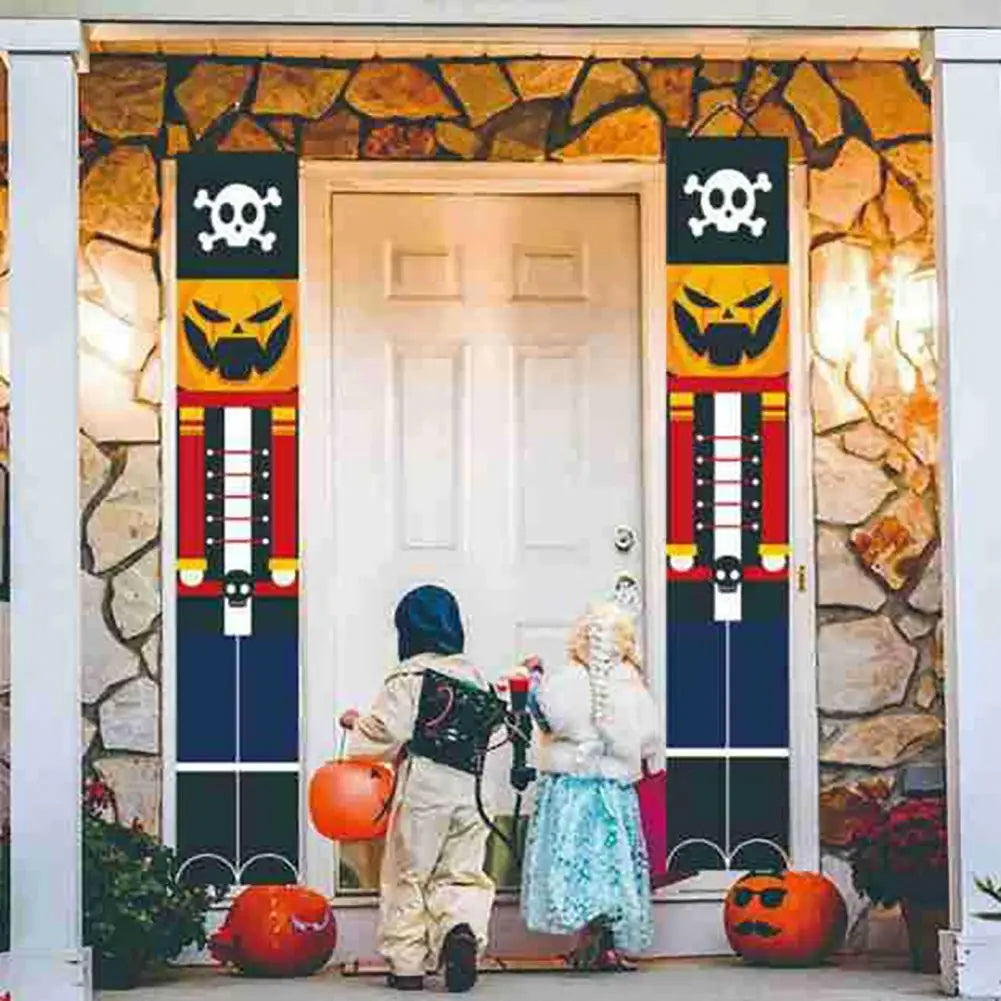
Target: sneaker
398	983
458	954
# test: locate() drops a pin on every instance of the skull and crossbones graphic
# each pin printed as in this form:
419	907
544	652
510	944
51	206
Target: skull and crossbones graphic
728	201
237	215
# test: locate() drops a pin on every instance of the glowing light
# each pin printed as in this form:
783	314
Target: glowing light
906	374
842	299
877	327
111	338
915	313
860	368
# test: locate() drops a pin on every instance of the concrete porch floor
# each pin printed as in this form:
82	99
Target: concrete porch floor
722	979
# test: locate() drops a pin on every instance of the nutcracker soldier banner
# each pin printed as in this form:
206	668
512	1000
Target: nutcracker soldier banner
728	463
237	565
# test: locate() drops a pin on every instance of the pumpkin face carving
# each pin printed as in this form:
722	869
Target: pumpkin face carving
276	931
349	800
784	919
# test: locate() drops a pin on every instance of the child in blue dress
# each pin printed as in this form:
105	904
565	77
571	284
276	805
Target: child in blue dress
585	867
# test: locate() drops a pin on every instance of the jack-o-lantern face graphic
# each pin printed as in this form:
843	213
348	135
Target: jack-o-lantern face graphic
728	320
785	919
237	335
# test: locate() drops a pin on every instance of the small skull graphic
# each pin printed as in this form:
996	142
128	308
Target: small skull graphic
238	588
728	201
237	215
727	573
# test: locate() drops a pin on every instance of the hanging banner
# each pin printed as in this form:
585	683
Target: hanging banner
728	462
237	501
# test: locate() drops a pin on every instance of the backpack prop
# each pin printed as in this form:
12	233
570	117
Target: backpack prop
351	799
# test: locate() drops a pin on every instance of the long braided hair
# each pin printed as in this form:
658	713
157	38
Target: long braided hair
598	641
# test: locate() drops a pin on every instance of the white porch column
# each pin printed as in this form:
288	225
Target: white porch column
967	78
48	962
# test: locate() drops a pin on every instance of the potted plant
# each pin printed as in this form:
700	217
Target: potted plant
900	856
135	911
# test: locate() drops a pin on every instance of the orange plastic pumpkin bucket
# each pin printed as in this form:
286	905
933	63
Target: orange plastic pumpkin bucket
349	800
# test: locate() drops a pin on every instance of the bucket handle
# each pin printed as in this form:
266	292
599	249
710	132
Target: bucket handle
387	805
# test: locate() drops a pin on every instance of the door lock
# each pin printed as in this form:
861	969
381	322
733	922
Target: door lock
625	538
627	591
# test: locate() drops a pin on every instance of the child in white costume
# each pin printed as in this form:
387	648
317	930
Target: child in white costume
435	898
585	866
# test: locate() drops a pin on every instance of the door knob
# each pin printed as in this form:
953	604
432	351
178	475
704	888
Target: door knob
625	538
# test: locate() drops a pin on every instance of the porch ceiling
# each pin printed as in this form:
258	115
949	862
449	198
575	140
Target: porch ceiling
303	41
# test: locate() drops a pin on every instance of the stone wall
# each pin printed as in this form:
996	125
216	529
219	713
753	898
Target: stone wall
863	129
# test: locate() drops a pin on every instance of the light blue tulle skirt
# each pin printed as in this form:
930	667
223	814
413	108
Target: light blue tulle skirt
585	857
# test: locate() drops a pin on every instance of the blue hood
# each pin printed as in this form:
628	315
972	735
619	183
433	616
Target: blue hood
427	621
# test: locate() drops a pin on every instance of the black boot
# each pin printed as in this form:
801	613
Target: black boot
397	983
458	955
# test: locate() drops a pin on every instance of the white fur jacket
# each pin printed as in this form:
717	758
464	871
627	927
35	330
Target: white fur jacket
625	736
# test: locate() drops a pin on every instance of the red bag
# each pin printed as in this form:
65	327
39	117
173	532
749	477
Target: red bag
652	793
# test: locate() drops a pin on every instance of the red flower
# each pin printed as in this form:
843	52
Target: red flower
902	852
98	796
97	793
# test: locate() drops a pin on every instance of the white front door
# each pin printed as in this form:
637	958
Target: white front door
486	418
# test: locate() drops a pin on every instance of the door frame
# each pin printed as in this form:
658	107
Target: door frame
321	180
647	182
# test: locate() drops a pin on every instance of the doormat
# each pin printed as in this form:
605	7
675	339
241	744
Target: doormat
237	573
728	546
490	964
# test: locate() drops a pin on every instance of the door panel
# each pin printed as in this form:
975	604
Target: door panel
486	418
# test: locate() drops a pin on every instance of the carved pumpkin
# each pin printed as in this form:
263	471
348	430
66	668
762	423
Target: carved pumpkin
276	931
785	919
349	800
